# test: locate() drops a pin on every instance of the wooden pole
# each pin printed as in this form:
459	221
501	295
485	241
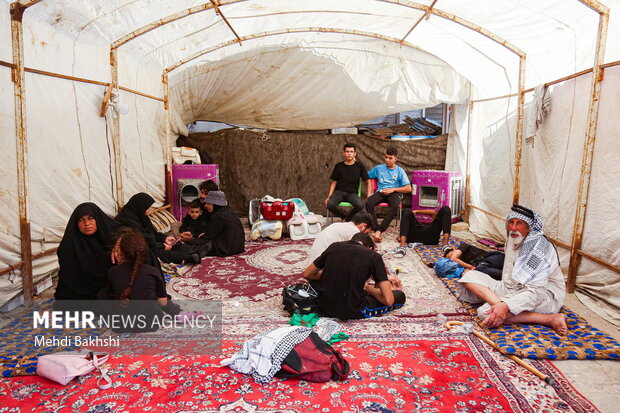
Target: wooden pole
169	194
17	12
588	152
519	134
116	136
529	367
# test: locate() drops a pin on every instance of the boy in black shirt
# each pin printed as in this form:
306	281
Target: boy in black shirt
344	292
193	227
345	184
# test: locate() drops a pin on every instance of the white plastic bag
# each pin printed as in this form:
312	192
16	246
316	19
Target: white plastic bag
64	366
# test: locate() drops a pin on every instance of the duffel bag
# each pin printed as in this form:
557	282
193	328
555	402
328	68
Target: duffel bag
314	360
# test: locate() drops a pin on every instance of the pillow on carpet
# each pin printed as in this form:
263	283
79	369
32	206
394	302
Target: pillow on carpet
162	219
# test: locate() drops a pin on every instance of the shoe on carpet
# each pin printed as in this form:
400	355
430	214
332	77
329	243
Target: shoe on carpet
193	259
412	245
398	252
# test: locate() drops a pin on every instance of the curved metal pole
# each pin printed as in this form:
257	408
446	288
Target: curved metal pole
254	36
423	17
161	22
402	3
459	20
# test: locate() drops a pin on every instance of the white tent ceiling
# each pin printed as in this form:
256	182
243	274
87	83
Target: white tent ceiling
346	37
286	64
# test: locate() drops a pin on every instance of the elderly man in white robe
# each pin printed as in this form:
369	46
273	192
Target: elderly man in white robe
532	288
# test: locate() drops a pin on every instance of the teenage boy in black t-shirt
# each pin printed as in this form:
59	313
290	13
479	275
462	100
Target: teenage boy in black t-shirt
345	183
347	266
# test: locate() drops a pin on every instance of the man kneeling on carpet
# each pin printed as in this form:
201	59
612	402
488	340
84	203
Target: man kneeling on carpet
346	268
532	287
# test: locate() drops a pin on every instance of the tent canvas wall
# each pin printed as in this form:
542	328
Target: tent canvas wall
311	64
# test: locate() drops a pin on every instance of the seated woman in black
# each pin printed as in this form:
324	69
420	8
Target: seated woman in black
84	253
224	228
138	286
133	215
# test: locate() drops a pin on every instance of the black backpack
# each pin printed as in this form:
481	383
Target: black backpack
300	298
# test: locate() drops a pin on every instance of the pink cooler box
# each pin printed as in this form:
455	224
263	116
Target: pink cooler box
435	189
185	182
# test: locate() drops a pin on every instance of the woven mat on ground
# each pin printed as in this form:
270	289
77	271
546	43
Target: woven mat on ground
583	342
411	364
431	253
18	346
252	282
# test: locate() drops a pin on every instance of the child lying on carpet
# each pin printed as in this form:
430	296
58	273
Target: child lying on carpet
474	258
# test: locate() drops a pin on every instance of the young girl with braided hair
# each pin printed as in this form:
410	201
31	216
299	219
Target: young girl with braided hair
132	279
138	286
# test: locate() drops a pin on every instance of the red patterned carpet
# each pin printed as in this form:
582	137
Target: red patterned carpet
404	362
259	273
419	368
252	282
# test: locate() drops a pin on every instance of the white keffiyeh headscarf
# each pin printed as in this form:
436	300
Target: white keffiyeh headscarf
535	250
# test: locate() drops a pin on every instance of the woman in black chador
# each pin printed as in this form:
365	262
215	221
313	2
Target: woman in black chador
165	248
84	253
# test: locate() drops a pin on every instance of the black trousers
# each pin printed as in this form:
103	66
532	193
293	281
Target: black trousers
378	197
427	234
182	252
492	264
374	307
340	196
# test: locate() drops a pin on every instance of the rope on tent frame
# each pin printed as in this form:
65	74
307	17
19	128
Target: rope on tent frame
263	132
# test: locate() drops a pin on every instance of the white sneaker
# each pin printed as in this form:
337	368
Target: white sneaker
398	252
412	245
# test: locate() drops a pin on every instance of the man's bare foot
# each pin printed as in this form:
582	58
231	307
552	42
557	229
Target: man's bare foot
377	236
558	323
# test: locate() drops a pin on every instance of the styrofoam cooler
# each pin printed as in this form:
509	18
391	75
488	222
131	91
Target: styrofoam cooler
185	182
435	189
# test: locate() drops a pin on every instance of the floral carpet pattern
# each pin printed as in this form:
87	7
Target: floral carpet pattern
260	272
402	362
252	282
422	367
582	342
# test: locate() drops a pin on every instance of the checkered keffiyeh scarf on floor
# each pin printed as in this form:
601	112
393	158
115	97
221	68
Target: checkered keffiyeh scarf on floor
262	355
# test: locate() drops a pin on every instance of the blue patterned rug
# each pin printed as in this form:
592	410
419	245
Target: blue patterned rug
18	352
431	253
583	342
